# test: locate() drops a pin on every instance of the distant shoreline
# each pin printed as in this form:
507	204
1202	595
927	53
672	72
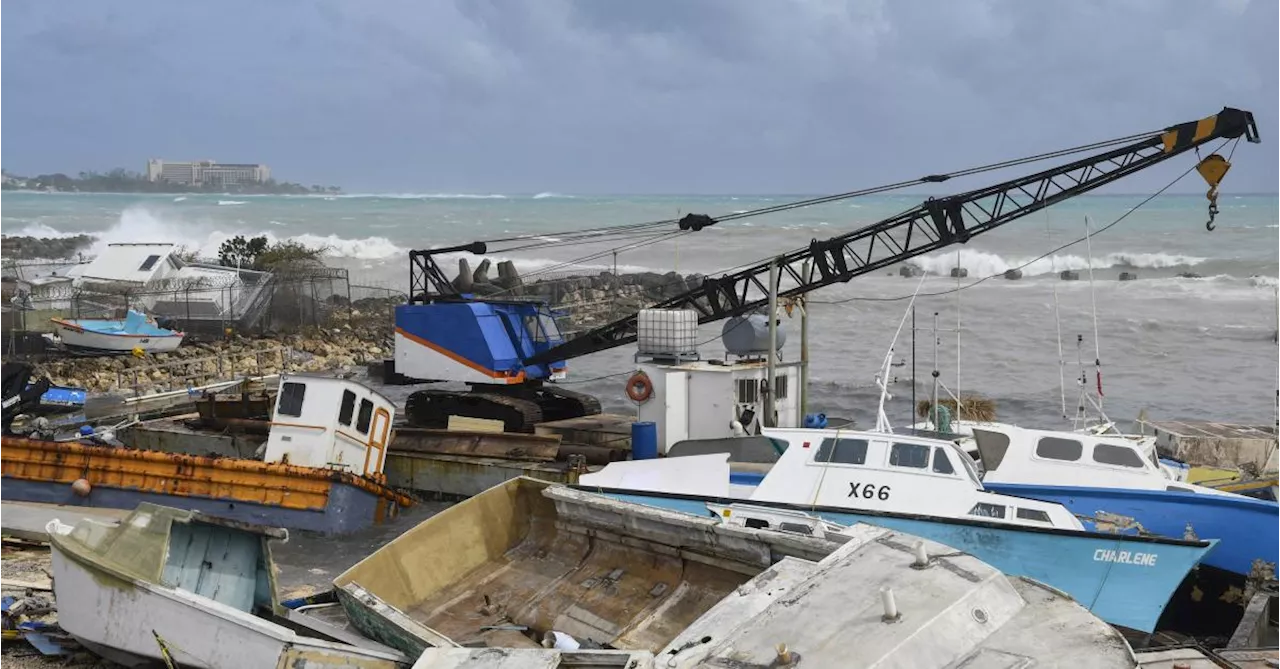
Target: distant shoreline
124	182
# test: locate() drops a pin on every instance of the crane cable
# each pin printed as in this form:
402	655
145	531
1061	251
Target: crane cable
953	290
1029	262
570	237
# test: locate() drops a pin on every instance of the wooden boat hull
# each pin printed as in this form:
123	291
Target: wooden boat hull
303	498
126	620
1125	581
512	554
75	337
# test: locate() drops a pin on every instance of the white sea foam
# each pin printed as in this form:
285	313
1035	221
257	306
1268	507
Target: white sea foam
229	203
137	224
42	230
424	196
544	196
983	263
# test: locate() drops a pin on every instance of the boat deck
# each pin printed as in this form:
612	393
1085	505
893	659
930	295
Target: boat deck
503	569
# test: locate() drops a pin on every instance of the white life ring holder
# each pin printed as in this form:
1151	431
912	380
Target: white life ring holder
639	387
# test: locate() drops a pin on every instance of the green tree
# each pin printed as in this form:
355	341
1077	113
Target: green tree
241	252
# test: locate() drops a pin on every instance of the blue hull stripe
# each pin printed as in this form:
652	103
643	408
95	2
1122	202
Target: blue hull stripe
1246	528
1123	580
349	508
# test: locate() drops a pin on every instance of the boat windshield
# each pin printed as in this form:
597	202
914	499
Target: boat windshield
969	466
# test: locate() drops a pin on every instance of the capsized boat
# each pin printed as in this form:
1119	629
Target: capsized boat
584	580
929	488
166	585
115	336
321	471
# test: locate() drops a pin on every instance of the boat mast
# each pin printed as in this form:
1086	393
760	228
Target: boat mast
882	379
1057	318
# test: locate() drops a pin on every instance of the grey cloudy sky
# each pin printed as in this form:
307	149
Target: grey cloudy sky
621	96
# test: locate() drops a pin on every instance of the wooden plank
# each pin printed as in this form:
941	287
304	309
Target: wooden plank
505	445
469	424
45	585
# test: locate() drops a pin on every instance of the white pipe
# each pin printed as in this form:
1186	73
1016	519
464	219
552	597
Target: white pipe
890	606
922	555
184	391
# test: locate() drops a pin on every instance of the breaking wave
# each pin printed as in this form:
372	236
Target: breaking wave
228	203
139	224
983	263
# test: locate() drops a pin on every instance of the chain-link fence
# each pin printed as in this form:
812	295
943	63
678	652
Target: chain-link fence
210	302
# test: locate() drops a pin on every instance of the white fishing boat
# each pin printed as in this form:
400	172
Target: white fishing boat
135	331
178	587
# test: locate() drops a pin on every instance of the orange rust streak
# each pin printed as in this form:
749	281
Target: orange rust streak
277	484
301	425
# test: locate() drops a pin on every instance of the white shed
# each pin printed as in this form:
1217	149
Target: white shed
332	423
135	264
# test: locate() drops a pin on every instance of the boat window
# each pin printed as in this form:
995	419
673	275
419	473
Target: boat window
149	263
1033	514
348	408
909	455
941	463
991	447
1110	454
747	391
1056	448
987	510
798	528
780	387
366	417
842	451
756	523
291	395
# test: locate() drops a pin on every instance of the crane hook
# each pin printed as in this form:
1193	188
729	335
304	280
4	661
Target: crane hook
1213	168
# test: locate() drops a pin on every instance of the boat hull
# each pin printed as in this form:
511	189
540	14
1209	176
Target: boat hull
198	632
300	498
1246	528
1126	581
75	337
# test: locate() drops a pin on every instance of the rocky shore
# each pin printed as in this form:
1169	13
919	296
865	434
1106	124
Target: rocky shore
343	345
54	248
587	300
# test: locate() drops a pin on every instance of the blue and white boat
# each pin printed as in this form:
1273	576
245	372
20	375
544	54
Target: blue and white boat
930	488
1115	483
135	331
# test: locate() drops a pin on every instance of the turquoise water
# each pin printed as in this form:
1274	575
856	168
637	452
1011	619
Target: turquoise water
1184	348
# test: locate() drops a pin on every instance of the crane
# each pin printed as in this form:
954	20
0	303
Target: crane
507	349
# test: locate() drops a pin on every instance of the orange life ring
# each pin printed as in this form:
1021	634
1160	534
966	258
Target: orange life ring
639	387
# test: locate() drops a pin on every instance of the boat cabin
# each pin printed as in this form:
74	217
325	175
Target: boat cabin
332	423
875	471
1048	457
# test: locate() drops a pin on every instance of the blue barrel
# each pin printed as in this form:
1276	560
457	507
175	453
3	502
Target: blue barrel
644	440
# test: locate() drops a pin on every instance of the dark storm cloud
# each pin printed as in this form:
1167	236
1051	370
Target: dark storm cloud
595	96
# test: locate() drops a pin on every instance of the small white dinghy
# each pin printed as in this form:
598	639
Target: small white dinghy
196	590
134	331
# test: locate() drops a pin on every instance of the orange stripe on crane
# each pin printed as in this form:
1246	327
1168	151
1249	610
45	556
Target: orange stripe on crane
497	376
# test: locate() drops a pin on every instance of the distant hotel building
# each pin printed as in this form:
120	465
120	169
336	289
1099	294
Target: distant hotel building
206	173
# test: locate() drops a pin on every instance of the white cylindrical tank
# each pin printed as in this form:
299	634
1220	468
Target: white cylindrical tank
749	335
